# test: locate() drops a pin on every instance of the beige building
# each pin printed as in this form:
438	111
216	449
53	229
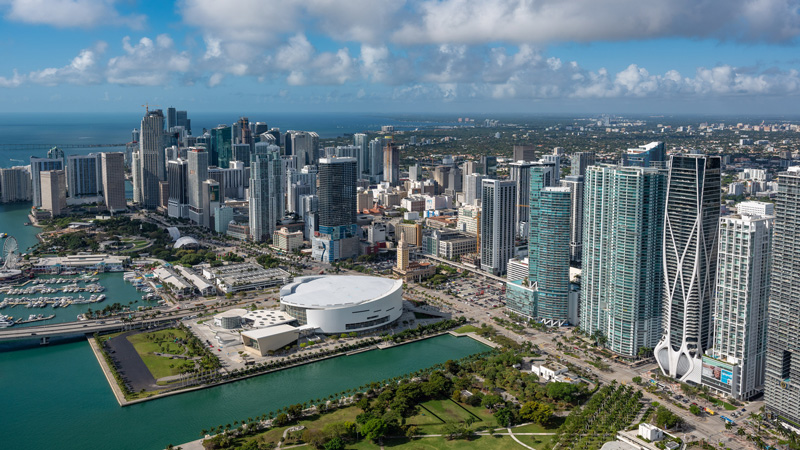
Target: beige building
363	201
54	191
286	240
264	340
413	232
112	166
402	253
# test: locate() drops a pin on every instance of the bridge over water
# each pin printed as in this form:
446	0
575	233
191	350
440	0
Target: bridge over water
5	146
44	332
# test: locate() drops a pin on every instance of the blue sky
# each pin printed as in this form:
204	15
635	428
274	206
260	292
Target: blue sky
493	56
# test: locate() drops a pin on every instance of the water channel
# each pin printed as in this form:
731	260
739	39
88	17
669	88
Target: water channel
57	397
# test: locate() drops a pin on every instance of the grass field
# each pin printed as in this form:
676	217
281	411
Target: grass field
536	428
440	443
434	414
312	423
159	365
468	329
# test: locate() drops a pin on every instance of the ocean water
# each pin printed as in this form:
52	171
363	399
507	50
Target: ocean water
57	397
46	130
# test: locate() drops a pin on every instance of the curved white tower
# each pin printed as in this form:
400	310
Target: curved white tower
690	260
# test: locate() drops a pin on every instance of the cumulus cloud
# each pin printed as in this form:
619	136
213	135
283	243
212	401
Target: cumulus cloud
12	82
70	13
303	65
147	63
543	21
83	69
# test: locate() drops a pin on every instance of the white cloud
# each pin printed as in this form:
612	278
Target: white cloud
70	13
12	82
83	69
303	65
147	63
543	21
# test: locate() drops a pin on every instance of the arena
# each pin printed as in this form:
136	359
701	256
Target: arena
343	303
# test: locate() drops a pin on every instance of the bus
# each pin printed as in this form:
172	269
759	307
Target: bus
728	419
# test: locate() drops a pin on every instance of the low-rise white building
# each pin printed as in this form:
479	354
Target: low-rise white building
549	371
650	432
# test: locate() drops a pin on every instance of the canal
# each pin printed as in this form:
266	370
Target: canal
57	397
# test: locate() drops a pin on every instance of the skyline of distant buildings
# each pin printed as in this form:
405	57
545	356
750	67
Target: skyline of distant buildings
661	270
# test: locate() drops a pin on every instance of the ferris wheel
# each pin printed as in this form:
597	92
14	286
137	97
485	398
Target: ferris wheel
10	253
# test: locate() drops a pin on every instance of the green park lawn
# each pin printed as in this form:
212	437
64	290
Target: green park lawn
316	422
159	365
536	428
434	414
468	329
440	443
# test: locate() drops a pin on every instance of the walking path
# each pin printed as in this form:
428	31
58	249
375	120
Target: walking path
510	433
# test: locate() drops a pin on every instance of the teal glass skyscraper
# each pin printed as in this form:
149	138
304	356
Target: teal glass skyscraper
552	266
622	275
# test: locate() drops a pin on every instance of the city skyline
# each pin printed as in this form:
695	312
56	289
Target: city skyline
433	56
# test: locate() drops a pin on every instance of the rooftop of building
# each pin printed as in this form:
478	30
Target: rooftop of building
269	331
236	312
329	291
263	318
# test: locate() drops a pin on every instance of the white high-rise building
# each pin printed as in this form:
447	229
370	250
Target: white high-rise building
498	211
753	208
690	264
736	363
575	185
472	188
360	141
197	174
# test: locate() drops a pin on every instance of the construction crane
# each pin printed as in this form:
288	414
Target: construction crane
147	106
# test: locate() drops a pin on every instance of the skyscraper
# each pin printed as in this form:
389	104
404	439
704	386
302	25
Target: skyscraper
782	380
498	203
245	133
376	159
220	153
197	159
652	154
304	145
489	165
15	184
736	363
172	118
622	274
178	203
266	190
472	188
391	163
39	165
151	157
112	168
575	183
690	264
414	172
360	141
580	161
337	210
524	153
551	271
520	174
84	177
54	191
